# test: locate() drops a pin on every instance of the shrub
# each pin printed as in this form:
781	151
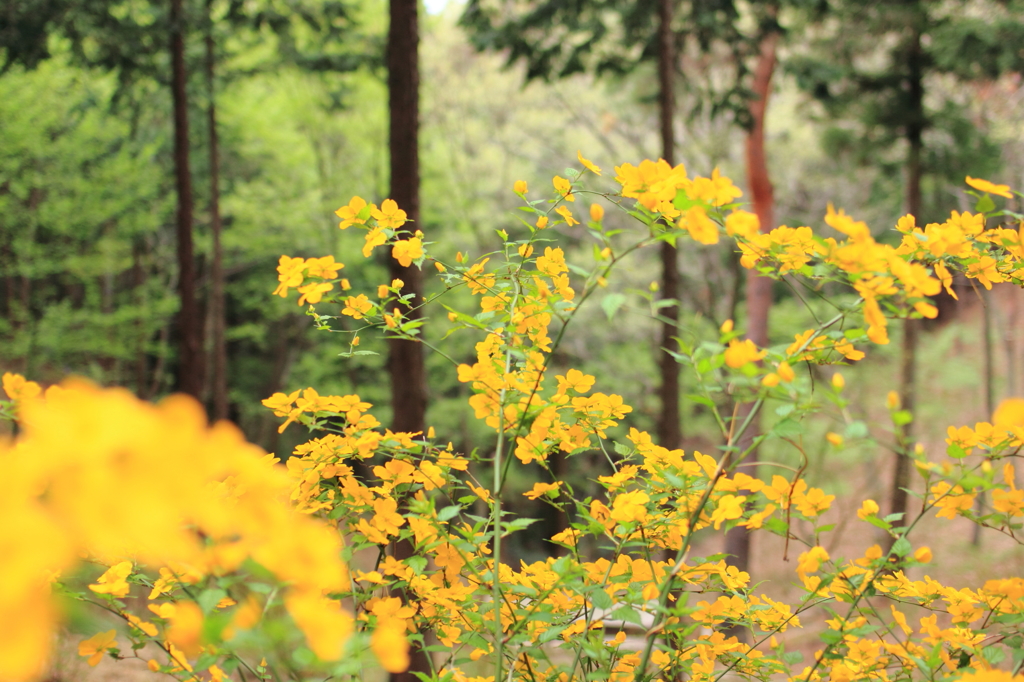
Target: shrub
226	543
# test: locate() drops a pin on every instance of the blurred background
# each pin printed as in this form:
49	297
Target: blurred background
157	158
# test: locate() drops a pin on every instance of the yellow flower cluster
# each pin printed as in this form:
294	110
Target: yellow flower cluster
292	273
176	505
99	473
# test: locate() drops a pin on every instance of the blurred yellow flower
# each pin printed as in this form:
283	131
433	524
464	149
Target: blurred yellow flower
990	187
97	645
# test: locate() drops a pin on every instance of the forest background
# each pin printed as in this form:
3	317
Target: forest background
89	252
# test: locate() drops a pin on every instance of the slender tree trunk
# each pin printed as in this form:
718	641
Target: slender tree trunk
759	289
670	434
405	358
990	394
908	365
219	354
190	329
408	379
139	299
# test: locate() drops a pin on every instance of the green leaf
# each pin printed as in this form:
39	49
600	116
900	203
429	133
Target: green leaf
209	599
878	523
449	513
626	613
784	410
600	599
902	547
985	204
517	524
831	637
418	564
955	451
611	303
787	428
902	418
856	430
700	400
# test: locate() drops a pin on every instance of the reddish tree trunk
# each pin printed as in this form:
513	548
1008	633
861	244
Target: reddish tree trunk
759	289
190	323
670	434
405	358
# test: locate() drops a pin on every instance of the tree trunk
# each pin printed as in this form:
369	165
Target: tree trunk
190	329
139	299
670	433
759	289
405	358
908	365
219	355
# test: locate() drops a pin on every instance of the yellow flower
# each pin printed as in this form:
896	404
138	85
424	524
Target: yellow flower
740	353
17	388
390	646
374	238
563	187
729	507
1009	413
596	212
542	222
631	506
950	500
526	250
838	382
786	372
811	560
186	628
357	306
716	190
389	215
314	293
97	645
519	187
541	489
991	188
325	267
141	625
742	224
552	262
289	274
567	215
575	380
701	228
439	266
350	214
834	438
876	322
923	554
892	400
405	251
589	165
114	580
814	502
